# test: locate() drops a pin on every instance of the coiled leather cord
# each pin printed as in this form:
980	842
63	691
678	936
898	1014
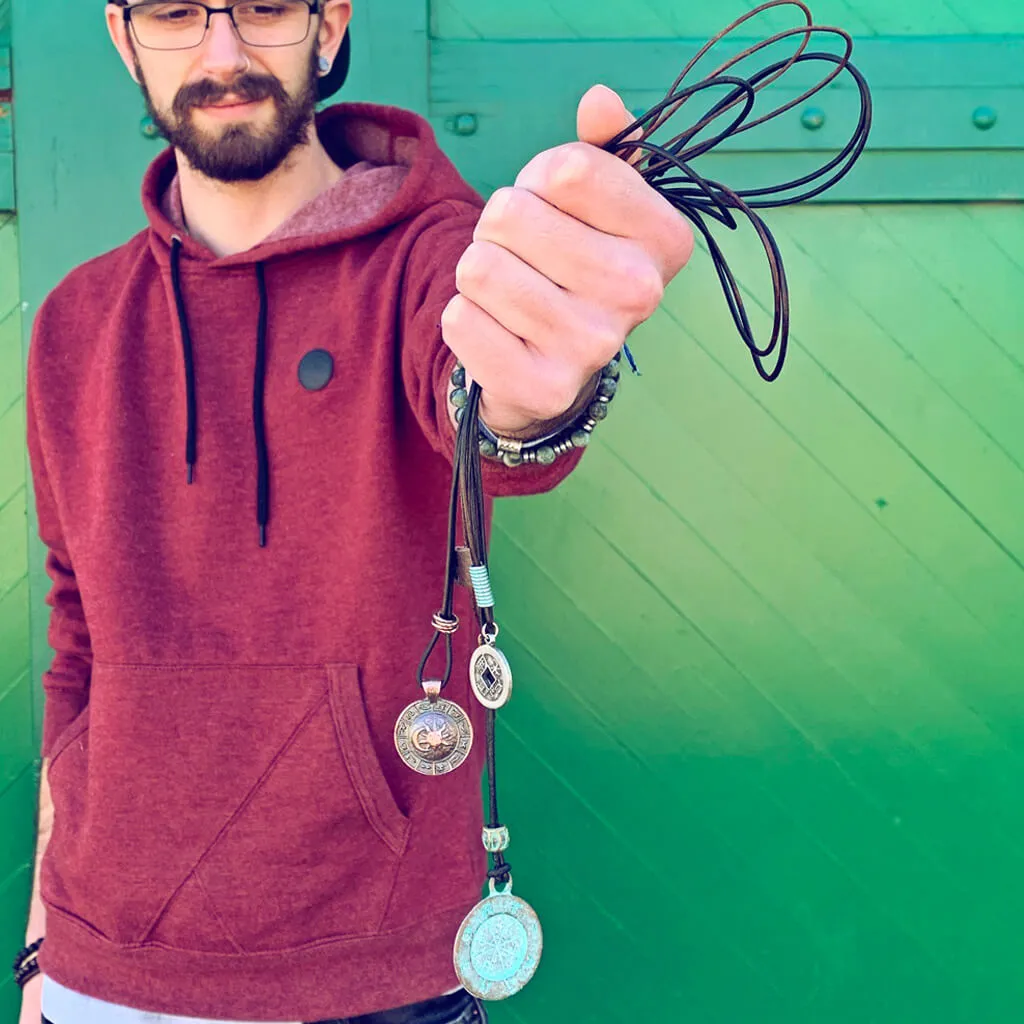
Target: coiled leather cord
668	167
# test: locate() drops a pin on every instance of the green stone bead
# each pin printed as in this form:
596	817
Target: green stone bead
580	438
598	411
459	376
512	459
488	447
458	415
611	372
608	386
459	398
545	455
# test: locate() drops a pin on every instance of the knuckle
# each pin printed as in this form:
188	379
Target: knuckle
646	290
570	166
500	207
454	316
474	267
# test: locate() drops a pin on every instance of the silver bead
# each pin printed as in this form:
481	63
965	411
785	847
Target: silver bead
496	840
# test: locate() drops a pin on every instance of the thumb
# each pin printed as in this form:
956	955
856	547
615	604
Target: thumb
601	115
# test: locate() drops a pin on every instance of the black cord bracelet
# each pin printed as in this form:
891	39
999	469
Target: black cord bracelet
26	965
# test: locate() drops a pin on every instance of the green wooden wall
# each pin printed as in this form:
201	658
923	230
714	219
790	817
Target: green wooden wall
660	19
766	753
18	690
17	734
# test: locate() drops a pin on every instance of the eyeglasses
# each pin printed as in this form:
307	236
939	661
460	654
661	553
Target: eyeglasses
159	25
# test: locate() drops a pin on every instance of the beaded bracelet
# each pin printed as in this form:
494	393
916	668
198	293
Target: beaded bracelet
25	965
543	450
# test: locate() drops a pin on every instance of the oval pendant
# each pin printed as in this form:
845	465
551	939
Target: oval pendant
490	675
497	950
433	737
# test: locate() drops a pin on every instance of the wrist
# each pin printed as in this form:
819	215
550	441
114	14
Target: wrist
541	443
507	423
26	964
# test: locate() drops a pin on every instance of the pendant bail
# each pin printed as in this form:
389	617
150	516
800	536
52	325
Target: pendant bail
432	688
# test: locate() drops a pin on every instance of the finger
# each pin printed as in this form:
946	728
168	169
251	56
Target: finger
547	318
601	115
503	365
593	266
606	193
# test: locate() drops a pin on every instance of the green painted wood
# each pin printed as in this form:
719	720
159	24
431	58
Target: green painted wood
18	689
576	19
800	610
765	756
6	114
923	145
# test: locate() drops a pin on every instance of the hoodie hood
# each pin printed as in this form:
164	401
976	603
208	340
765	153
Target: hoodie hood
359	137
394	172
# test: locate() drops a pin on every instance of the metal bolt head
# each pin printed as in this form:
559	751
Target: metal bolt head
984	118
148	128
813	118
463	124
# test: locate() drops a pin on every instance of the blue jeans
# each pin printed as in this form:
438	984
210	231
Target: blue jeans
457	1008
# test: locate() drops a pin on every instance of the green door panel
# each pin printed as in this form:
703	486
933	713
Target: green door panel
17	689
765	757
659	19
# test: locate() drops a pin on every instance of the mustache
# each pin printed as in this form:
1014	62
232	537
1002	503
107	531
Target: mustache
247	88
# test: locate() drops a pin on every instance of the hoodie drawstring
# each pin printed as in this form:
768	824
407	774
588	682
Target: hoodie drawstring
186	344
259	388
258	415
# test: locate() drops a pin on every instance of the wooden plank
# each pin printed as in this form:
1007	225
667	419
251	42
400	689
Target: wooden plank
13	549
12	450
573	19
924	95
17	744
6	182
390	57
9	276
12	375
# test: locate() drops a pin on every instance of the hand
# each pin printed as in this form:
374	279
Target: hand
562	267
31	1001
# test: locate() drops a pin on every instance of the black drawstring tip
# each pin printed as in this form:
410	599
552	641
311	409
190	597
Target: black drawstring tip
263	536
191	472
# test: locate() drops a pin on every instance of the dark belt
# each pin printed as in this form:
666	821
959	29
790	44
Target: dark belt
442	1010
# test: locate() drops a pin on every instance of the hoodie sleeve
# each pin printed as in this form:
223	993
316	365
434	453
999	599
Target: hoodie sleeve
66	683
427	363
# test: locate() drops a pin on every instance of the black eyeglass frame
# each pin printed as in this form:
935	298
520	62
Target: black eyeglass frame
313	5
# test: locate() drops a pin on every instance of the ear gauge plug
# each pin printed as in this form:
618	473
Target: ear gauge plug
324	65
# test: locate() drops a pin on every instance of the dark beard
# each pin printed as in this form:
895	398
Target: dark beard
241	153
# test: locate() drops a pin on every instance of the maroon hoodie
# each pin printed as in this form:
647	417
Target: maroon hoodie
235	835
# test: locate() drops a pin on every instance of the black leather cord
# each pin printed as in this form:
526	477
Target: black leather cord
697	198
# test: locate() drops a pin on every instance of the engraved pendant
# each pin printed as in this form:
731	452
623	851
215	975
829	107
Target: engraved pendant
498	947
490	675
433	737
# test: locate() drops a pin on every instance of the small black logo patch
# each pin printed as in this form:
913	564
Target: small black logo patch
316	369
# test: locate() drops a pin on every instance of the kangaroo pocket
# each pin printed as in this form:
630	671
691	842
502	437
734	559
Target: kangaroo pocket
226	808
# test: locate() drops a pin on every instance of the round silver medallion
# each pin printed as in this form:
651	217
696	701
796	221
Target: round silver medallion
491	676
433	737
498	948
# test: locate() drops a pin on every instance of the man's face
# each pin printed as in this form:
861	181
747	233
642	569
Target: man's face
235	112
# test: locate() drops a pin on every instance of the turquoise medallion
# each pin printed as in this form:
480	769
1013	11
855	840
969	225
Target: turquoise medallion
498	947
